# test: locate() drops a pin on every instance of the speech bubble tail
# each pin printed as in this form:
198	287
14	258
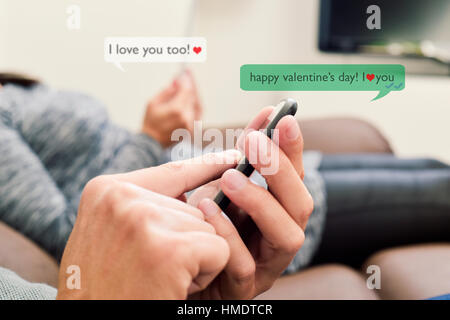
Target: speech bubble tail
119	66
381	94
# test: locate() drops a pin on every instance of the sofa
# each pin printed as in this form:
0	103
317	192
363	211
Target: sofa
413	272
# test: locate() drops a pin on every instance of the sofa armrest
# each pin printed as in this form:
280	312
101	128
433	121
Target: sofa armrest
343	135
325	282
413	272
336	135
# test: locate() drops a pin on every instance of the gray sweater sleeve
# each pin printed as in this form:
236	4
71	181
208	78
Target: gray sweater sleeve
12	287
51	144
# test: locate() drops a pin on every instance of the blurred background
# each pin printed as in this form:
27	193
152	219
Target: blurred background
35	40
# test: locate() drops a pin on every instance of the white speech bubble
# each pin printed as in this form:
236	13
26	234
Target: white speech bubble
147	50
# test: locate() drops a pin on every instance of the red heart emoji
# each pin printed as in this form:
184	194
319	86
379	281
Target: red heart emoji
370	77
197	49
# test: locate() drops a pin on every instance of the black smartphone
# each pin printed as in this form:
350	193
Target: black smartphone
284	108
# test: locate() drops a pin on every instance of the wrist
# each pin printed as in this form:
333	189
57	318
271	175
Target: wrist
156	136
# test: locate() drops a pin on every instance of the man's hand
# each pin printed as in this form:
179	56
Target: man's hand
267	227
175	107
134	240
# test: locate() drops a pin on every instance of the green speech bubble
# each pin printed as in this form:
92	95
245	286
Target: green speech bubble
383	78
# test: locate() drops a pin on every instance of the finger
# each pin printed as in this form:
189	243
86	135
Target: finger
184	102
174	204
164	95
185	95
210	254
282	237
239	272
174	178
182	221
281	176
255	124
173	219
258	122
275	224
197	106
291	142
208	190
126	190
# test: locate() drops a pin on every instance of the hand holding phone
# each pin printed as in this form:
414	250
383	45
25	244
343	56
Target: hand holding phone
263	227
284	108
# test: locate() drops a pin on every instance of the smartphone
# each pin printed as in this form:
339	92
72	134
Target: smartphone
284	108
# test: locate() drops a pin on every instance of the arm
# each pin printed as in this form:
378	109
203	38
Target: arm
137	151
30	201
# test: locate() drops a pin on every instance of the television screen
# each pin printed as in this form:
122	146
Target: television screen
401	27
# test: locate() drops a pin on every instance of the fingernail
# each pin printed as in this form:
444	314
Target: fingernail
293	130
208	207
234	180
240	144
232	156
259	148
254	141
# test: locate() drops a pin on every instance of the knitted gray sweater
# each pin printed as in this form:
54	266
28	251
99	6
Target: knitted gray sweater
51	144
